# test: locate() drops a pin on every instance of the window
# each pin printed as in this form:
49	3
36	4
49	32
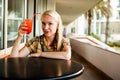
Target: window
1	24
118	3
15	15
40	8
118	13
16	12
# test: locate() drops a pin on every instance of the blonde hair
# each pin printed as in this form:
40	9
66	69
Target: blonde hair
59	33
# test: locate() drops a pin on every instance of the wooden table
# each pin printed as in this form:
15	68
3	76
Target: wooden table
39	68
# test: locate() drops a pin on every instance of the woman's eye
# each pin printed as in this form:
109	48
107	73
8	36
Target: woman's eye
43	23
50	23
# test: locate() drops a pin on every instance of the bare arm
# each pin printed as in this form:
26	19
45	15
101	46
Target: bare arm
19	53
64	54
15	50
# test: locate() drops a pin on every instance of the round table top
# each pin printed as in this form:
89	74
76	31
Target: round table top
39	68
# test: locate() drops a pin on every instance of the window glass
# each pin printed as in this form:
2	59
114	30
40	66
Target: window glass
1	27
0	2
40	8
118	3
15	17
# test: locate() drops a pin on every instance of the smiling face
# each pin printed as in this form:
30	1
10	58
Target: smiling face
49	26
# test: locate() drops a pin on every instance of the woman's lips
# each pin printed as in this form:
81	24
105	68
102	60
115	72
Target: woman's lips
46	32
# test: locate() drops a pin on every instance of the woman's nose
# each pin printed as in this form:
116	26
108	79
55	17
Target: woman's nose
46	27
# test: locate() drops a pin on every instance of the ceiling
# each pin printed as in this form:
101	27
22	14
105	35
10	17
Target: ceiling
72	9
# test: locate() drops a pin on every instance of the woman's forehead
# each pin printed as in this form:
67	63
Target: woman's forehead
47	18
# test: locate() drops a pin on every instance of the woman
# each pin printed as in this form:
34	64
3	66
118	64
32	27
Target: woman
51	44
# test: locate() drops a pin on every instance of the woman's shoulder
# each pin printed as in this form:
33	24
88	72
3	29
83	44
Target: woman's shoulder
65	40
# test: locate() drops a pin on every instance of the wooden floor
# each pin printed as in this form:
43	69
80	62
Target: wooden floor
90	72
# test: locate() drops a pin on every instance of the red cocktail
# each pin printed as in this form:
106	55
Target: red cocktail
28	26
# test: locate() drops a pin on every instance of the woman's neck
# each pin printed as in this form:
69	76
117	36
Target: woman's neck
49	40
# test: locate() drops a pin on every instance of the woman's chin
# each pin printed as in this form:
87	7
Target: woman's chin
47	35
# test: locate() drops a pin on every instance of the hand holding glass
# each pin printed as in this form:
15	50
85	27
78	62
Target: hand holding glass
28	23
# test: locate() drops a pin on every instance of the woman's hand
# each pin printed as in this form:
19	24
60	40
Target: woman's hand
21	30
35	55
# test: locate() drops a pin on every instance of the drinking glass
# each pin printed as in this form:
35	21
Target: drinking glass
28	26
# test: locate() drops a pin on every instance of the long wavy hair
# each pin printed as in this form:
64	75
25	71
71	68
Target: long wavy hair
59	31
